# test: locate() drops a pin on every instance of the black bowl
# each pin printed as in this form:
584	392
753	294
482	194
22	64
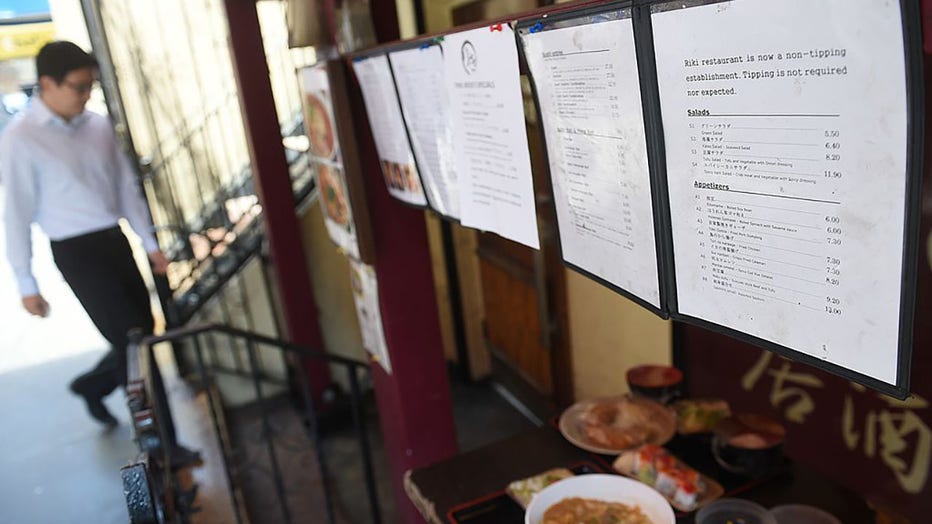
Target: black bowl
748	444
656	382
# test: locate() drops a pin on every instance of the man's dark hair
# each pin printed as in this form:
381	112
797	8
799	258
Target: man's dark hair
57	59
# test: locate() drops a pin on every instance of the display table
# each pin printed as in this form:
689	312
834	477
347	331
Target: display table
469	488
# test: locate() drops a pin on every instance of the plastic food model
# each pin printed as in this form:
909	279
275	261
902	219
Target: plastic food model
655	467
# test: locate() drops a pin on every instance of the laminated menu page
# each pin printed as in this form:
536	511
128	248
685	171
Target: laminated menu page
326	158
425	104
586	79
388	129
366	297
490	152
785	128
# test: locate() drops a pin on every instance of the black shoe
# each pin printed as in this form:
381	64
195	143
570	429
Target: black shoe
100	413
81	386
95	406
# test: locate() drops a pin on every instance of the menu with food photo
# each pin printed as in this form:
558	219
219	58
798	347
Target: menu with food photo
326	160
388	129
366	297
766	186
426	107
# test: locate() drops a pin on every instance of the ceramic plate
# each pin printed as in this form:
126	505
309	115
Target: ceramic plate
610	425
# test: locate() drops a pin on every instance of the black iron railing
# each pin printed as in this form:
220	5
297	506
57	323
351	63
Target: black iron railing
155	431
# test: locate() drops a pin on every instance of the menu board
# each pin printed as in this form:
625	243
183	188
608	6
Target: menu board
326	158
785	127
587	84
366	296
388	129
425	105
490	156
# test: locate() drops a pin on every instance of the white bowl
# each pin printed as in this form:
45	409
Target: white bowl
611	488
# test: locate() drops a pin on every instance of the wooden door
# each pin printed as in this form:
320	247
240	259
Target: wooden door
524	295
516	331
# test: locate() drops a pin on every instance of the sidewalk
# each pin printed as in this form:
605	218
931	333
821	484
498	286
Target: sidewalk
56	464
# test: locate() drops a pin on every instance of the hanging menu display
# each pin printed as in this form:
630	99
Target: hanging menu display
752	167
366	297
388	129
426	108
586	77
326	158
785	128
490	153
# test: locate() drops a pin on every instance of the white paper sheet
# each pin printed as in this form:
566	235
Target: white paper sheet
388	129
426	107
590	102
366	297
785	128
326	159
490	141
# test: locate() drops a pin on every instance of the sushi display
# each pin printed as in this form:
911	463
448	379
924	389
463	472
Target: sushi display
685	488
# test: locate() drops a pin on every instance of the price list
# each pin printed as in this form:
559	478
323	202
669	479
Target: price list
786	167
588	89
762	240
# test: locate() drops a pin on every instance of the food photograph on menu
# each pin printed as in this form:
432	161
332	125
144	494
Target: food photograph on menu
319	127
333	194
326	159
425	103
388	129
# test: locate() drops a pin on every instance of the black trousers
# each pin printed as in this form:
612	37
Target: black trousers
100	269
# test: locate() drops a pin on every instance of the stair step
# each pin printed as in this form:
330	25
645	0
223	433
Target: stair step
191	412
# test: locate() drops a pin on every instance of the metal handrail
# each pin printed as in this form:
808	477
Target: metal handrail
175	335
156	421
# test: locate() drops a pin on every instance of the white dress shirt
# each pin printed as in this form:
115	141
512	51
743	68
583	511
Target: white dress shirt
71	178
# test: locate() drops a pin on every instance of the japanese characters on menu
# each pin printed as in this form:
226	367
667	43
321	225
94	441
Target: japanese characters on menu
586	78
779	154
786	166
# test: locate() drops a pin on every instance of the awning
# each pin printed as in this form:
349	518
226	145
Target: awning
24	10
24	40
25	26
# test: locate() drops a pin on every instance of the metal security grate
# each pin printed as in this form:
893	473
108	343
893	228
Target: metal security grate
168	76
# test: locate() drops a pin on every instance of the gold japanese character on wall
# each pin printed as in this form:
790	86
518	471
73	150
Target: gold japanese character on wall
895	434
788	391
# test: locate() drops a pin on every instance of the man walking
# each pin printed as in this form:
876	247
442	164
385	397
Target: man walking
63	169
